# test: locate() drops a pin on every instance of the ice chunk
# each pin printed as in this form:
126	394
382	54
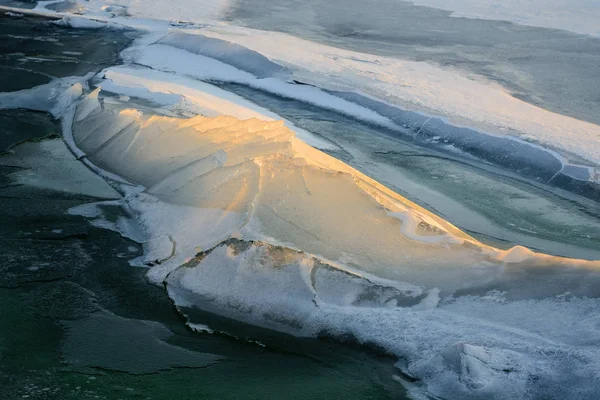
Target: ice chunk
516	254
476	365
226	52
54	97
276	287
77	22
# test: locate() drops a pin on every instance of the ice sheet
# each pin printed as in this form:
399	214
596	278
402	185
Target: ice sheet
466	100
580	16
199	97
243	219
64	174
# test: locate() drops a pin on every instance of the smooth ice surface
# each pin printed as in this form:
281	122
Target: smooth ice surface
140	347
65	173
580	16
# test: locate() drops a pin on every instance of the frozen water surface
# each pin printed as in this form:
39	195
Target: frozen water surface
374	177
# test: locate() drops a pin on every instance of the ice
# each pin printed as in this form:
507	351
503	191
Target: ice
180	11
261	172
477	365
408	85
64	173
82	23
255	179
421	87
239	217
54	97
226	52
199	97
140	347
158	250
580	16
41	5
183	62
503	134
200	328
95	213
467	347
242	219
526	158
516	254
246	280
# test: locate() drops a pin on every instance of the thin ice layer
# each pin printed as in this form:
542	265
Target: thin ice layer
64	173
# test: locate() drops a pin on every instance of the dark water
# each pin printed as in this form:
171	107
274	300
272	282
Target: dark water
554	69
26	4
78	322
33	51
